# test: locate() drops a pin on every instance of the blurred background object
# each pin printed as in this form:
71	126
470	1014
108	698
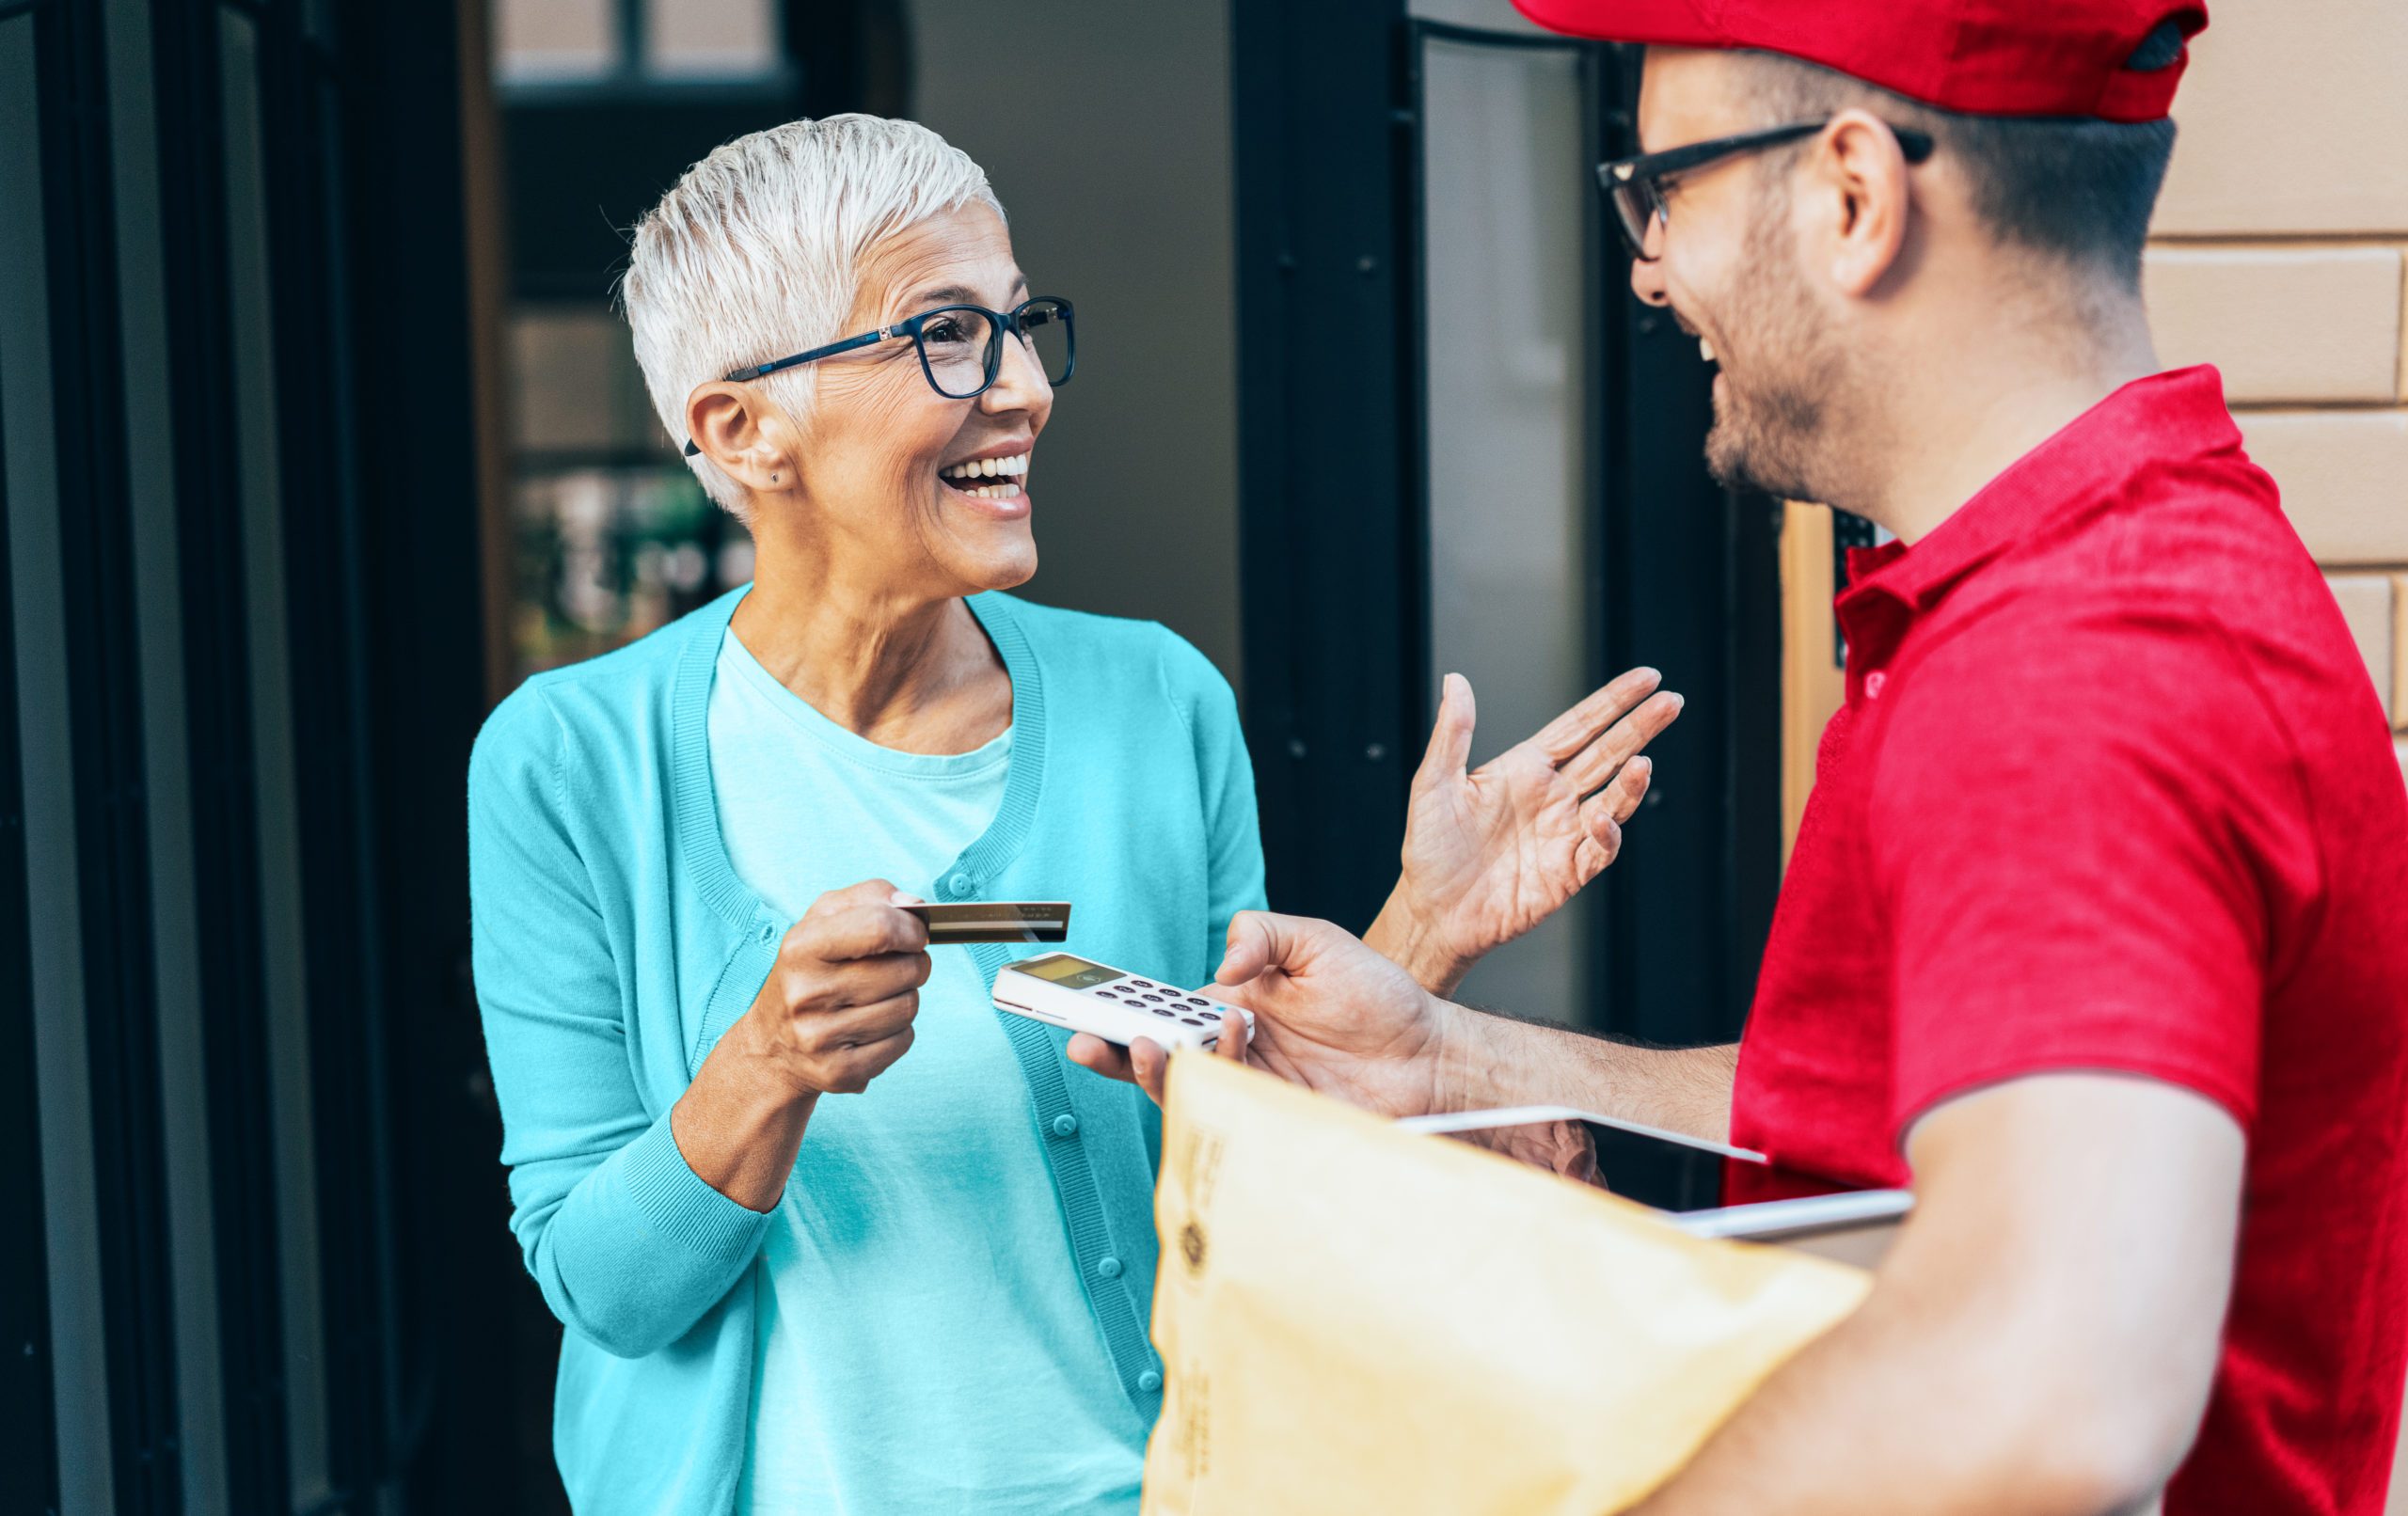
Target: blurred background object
602	103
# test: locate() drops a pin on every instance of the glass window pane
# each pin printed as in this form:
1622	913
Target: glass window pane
250	284
605	554
575	383
536	41
1510	474
612	535
715	38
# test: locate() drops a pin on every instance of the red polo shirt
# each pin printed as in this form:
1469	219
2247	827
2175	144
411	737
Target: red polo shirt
2111	790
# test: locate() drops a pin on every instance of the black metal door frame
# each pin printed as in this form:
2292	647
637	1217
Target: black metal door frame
1329	545
1334	523
90	599
215	336
28	1434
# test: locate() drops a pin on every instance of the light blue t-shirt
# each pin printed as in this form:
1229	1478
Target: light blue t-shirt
979	1383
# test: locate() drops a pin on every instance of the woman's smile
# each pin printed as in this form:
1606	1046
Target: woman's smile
993	483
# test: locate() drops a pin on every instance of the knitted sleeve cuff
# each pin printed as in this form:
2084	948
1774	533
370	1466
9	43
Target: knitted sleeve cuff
678	1203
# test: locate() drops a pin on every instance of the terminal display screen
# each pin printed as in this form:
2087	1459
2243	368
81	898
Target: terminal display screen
1070	972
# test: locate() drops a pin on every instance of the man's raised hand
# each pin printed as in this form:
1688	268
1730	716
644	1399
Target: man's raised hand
1491	852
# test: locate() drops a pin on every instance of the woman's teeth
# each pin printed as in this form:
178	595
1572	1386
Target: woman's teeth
1705	349
1005	470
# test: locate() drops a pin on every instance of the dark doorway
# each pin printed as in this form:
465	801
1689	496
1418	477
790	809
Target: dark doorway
243	669
1465	445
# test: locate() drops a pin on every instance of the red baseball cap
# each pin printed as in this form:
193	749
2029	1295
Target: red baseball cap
2116	60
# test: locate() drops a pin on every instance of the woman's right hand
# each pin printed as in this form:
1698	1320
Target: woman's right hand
836	1010
835	1013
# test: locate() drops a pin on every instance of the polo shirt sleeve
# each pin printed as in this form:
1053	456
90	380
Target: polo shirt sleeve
2073	812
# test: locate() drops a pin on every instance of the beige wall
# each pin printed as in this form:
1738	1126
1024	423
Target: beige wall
2281	257
1105	130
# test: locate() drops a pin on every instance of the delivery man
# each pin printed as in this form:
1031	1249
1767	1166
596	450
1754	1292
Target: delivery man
2097	927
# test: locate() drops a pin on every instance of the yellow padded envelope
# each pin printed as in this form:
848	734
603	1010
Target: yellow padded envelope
1357	1318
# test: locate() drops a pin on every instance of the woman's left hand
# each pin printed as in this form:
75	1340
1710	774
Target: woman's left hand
1491	852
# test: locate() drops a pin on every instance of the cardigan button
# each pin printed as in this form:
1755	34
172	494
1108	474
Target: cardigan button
1109	1268
1149	1382
1065	1124
960	884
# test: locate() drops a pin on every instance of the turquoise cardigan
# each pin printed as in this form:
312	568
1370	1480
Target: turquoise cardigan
614	944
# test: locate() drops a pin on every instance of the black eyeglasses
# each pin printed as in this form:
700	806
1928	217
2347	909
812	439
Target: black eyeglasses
1636	185
962	347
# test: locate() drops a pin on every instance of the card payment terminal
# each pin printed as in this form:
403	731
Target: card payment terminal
1065	990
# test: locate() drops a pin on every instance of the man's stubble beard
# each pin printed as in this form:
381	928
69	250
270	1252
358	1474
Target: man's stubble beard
1774	419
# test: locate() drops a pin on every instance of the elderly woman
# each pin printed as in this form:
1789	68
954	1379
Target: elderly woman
829	1233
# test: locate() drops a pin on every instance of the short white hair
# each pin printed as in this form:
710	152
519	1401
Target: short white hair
757	253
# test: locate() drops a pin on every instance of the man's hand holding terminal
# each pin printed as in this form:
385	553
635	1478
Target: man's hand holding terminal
1326	1012
1332	1014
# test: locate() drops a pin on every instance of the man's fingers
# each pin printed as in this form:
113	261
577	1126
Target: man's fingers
1257	941
1621	797
1593	765
1603	814
1573	730
1597	851
1449	749
1143	1063
1149	1063
1096	1056
1237	1030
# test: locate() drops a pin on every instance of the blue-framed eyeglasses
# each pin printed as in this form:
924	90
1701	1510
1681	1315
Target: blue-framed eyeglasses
962	347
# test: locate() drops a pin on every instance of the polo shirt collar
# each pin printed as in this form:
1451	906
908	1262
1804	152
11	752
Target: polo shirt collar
2176	415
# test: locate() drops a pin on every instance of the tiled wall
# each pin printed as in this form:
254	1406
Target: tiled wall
2281	256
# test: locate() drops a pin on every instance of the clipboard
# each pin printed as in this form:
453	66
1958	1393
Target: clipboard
1654	1166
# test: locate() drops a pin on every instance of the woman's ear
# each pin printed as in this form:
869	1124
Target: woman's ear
1862	172
728	426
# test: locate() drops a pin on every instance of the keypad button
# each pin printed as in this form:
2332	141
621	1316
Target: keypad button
1156	999
1164	1011
1192	1021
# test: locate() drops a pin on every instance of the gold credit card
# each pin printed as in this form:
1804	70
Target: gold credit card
995	921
